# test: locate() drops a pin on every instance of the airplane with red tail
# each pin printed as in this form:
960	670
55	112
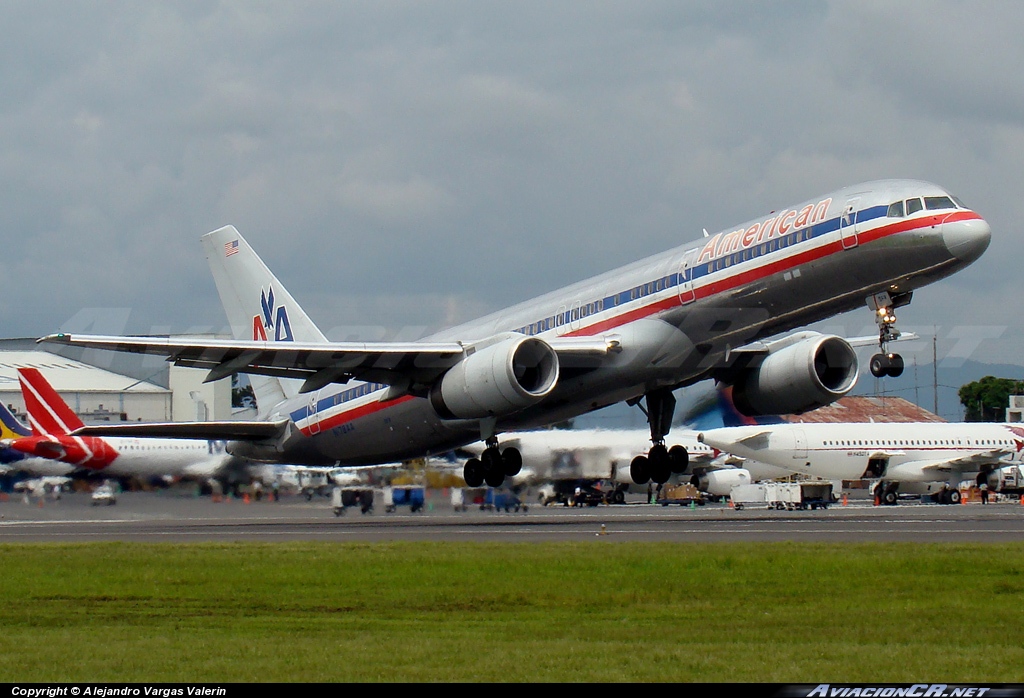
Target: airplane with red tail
53	421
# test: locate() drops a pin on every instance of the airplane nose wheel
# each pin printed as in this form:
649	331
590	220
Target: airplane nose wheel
887	363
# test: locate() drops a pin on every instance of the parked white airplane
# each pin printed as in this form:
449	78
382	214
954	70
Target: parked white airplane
920	458
53	421
702	310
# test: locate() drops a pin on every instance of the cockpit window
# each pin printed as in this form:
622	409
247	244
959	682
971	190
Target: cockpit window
913	206
895	210
933	203
958	202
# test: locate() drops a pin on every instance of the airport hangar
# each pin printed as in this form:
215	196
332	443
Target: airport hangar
106	387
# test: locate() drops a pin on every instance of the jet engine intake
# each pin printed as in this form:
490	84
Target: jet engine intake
496	380
802	376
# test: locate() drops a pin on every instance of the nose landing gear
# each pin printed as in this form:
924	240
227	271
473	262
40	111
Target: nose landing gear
887	363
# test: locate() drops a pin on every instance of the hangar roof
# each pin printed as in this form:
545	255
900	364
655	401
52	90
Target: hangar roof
67	375
868	409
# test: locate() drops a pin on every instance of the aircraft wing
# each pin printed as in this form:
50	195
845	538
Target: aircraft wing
866	341
221	431
971	462
398	364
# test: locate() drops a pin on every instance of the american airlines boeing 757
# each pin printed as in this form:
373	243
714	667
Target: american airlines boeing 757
715	308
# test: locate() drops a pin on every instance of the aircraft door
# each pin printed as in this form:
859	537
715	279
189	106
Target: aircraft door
685	285
876	468
799	444
848	224
314	418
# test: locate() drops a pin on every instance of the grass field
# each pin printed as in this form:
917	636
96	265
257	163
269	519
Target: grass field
600	611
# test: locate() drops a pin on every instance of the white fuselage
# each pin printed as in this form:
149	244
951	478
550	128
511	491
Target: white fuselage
898	452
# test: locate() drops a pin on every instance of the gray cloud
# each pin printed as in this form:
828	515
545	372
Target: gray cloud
406	164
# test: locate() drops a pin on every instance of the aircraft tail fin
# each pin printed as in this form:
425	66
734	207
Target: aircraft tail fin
10	427
258	306
47	411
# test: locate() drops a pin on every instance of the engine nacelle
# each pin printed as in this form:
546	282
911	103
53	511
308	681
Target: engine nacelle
1009	478
800	375
496	380
721	482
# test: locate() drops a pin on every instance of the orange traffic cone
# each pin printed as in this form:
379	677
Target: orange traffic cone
844	499
245	498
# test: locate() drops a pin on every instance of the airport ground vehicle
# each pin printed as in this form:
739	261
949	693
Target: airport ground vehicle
783	495
503	500
104	494
343	498
683	495
394	497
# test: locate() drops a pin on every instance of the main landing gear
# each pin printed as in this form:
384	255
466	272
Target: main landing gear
887	363
493	466
661	461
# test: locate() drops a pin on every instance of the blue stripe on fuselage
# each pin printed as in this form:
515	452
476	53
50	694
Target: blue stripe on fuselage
656	286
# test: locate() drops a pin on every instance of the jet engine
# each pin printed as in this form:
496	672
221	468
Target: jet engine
800	375
496	380
721	482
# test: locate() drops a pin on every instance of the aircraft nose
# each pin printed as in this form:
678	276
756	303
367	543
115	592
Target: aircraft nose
966	240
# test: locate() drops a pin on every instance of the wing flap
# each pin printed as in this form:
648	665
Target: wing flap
220	431
398	364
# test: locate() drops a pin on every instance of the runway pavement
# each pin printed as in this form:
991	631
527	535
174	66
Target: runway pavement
173	516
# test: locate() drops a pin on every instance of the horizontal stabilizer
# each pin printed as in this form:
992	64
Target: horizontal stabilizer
218	431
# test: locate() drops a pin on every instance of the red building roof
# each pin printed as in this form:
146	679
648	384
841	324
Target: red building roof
868	409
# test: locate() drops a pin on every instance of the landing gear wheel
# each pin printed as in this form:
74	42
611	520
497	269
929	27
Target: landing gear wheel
659	463
680	459
889	497
639	471
512	461
954	496
473	473
879	365
494	468
494	478
887	365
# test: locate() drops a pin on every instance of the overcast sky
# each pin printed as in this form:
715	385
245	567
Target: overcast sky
405	165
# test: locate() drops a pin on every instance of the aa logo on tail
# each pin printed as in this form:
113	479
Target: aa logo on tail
274	320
